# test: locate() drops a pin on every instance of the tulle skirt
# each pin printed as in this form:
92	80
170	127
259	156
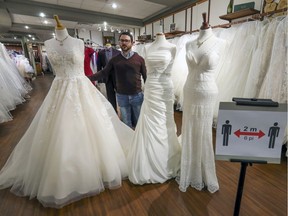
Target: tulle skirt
72	149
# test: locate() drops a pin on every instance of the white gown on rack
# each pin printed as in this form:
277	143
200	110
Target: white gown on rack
154	155
72	148
200	92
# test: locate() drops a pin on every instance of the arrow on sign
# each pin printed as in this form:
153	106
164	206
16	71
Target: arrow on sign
238	133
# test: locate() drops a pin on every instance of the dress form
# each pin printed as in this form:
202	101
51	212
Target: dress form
154	155
200	93
69	151
161	42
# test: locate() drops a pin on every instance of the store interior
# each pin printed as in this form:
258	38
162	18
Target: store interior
253	65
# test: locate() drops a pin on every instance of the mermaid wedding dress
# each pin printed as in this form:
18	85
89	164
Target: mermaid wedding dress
200	92
154	155
73	147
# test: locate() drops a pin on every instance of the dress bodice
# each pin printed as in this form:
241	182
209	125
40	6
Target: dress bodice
158	62
66	61
202	61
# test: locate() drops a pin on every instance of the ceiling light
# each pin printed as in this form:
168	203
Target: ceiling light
27	27
45	22
105	23
42	14
114	5
33	38
29	35
15	38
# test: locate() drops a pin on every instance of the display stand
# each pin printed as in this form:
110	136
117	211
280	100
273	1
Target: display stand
244	163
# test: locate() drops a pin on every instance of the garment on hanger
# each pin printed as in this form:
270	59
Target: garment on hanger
88	56
13	87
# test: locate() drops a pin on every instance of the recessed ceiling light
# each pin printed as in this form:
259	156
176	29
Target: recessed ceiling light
114	5
27	27
42	14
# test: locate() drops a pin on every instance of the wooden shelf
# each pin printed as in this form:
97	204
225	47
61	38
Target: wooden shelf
239	14
174	34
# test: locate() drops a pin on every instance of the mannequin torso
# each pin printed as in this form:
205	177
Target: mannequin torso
159	55
65	53
203	54
161	43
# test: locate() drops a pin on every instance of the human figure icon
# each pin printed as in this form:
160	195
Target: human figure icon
226	131
273	133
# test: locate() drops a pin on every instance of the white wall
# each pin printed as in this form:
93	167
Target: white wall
157	27
179	19
149	29
84	34
96	36
197	14
167	21
188	24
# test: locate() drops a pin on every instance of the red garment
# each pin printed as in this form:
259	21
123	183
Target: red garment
87	59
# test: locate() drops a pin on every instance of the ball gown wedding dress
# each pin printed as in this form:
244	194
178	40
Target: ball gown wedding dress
73	147
154	155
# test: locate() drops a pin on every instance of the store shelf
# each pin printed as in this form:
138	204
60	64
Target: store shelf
174	34
239	14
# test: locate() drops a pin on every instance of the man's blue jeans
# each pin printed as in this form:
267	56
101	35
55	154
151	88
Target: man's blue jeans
130	105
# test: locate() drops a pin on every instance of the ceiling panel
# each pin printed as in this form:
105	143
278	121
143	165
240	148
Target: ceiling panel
84	13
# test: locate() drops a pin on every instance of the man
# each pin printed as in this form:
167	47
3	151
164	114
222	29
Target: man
104	57
127	68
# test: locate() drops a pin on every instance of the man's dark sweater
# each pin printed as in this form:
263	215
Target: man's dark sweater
127	73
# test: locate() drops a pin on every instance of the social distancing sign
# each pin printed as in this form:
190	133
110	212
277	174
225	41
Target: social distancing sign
250	132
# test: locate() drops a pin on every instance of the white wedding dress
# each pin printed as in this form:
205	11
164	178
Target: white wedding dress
13	87
154	155
72	148
200	92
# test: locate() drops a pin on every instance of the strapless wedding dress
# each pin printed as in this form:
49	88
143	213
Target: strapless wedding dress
154	155
73	147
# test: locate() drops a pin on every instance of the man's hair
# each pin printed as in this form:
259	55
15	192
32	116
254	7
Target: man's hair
128	34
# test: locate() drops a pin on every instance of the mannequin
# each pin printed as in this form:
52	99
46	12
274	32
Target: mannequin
200	92
160	41
154	155
60	31
70	151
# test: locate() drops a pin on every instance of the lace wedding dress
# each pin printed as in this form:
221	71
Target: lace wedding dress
200	92
72	148
154	155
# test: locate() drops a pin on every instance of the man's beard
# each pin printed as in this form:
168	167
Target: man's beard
125	48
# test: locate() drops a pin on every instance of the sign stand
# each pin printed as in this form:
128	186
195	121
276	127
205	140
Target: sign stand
244	164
